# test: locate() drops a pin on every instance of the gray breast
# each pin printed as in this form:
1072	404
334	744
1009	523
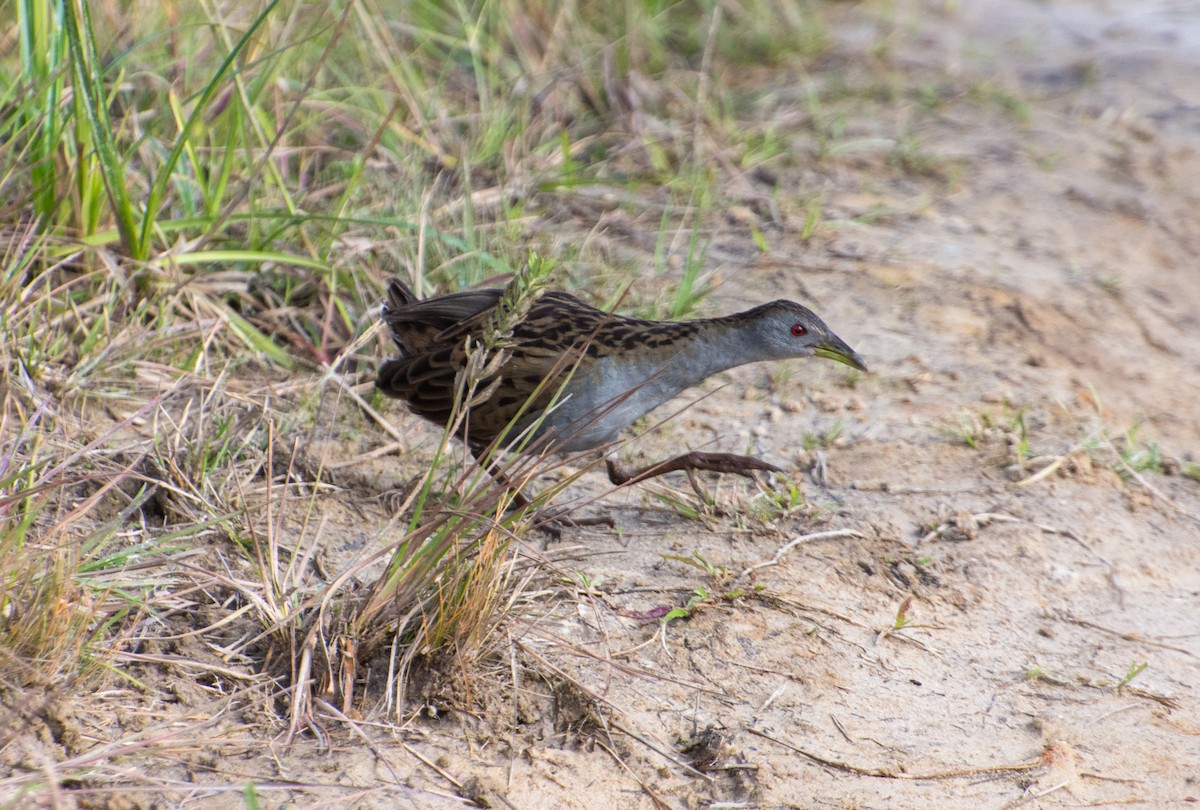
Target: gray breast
597	407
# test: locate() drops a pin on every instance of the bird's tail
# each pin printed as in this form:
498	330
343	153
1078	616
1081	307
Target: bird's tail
400	295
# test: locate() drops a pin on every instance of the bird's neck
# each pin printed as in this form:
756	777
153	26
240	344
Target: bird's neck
688	353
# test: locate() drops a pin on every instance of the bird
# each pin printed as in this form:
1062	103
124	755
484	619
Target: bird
573	377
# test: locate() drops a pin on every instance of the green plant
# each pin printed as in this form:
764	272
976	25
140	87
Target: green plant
1135	669
696	560
681	506
1191	469
699	597
812	218
775	502
970	430
1136	456
814	440
1019	432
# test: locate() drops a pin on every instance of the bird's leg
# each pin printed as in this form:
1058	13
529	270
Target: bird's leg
519	499
551	521
688	462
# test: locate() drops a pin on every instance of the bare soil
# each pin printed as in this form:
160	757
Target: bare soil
1008	237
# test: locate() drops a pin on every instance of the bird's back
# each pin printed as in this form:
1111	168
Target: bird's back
555	338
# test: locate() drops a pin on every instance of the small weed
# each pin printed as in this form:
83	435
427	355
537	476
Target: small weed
1110	284
699	596
696	560
931	97
813	216
1135	669
773	503
583	582
1019	437
910	155
978	431
762	145
780	374
681	506
694	283
971	430
759	239
1134	456
1148	458
1040	675
988	94
814	440
829	128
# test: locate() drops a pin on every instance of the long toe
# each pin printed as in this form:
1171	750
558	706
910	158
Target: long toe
728	463
708	462
553	522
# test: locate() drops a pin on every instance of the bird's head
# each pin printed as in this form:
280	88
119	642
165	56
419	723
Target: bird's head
786	329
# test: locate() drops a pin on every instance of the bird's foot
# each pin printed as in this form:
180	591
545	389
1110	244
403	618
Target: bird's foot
689	463
553	522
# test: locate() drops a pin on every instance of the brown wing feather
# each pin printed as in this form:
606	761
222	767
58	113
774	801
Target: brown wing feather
418	326
400	294
555	336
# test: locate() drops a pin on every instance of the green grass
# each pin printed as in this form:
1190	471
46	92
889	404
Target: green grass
1010	428
778	502
819	439
1136	456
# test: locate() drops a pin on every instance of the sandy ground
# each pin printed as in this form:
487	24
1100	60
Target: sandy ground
971	630
1042	281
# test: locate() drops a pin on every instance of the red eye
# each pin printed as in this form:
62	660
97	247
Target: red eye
799	330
